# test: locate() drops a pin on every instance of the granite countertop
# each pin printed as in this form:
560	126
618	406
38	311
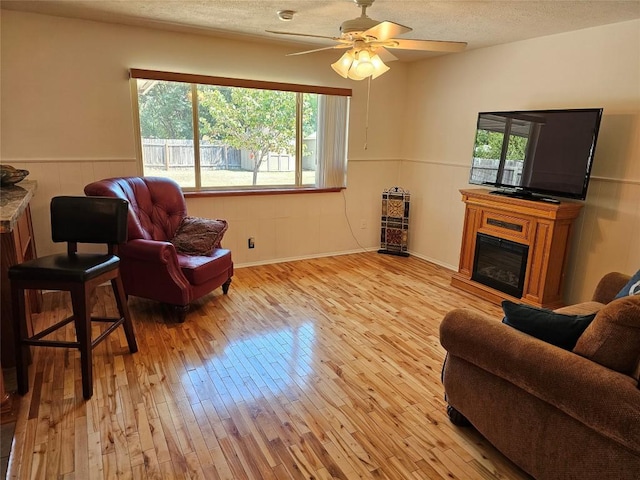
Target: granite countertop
13	202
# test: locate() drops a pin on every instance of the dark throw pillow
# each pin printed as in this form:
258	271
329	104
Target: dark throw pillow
632	287
199	236
559	329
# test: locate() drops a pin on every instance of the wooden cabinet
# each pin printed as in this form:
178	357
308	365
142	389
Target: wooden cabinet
17	245
545	228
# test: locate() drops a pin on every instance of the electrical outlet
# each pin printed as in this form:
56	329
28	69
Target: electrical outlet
251	243
363	224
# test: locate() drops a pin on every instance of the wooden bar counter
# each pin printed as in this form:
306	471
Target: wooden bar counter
18	245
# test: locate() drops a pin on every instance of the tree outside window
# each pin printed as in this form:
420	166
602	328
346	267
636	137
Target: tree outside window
243	137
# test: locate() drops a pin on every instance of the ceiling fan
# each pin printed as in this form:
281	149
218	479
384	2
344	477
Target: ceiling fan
368	40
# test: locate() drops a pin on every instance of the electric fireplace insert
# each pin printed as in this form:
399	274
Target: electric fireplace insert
500	264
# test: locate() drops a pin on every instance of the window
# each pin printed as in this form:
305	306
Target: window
211	133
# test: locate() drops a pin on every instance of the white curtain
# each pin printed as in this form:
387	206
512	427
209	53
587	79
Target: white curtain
333	115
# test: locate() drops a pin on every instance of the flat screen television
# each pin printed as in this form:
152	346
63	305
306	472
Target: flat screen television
536	153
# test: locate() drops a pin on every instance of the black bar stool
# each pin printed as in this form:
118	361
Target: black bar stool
74	220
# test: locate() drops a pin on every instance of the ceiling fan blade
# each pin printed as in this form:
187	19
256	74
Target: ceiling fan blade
318	50
427	45
386	30
337	39
385	55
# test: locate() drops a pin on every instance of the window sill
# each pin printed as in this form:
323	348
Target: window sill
261	191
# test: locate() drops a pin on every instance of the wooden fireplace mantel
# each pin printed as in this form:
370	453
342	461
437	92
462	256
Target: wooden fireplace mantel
544	227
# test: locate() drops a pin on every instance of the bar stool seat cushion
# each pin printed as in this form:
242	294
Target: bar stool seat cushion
73	268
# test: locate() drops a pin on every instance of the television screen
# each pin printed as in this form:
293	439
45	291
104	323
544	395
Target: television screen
548	152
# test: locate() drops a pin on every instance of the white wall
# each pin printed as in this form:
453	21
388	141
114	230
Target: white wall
67	118
597	67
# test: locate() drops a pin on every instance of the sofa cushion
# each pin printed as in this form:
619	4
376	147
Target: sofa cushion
558	329
613	338
202	268
632	287
199	236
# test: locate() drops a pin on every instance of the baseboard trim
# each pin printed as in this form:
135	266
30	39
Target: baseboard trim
304	257
336	254
434	261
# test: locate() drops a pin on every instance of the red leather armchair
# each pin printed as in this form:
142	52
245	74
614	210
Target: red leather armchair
149	263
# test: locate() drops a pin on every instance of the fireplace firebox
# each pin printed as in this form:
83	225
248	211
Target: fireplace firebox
500	264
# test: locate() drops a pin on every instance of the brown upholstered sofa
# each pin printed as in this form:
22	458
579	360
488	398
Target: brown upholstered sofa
556	414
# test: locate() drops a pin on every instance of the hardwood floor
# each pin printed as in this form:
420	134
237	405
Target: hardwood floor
317	369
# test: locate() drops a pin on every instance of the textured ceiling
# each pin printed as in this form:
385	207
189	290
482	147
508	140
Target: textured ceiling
479	23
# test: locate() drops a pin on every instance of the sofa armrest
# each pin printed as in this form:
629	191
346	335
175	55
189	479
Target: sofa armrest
602	399
609	286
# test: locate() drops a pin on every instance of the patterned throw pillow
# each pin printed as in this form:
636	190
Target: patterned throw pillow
199	236
632	287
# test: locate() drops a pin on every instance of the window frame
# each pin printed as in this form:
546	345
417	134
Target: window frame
194	80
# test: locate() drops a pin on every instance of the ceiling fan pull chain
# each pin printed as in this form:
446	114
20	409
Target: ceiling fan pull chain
366	122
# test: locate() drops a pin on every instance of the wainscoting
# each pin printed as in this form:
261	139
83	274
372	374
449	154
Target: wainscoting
601	240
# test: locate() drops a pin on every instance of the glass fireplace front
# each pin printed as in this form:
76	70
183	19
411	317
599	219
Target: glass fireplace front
500	264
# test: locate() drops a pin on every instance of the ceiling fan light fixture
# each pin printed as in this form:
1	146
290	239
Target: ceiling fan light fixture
343	65
353	74
359	64
362	64
379	66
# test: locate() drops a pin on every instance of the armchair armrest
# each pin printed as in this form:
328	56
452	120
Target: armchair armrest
148	251
609	286
150	269
602	399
